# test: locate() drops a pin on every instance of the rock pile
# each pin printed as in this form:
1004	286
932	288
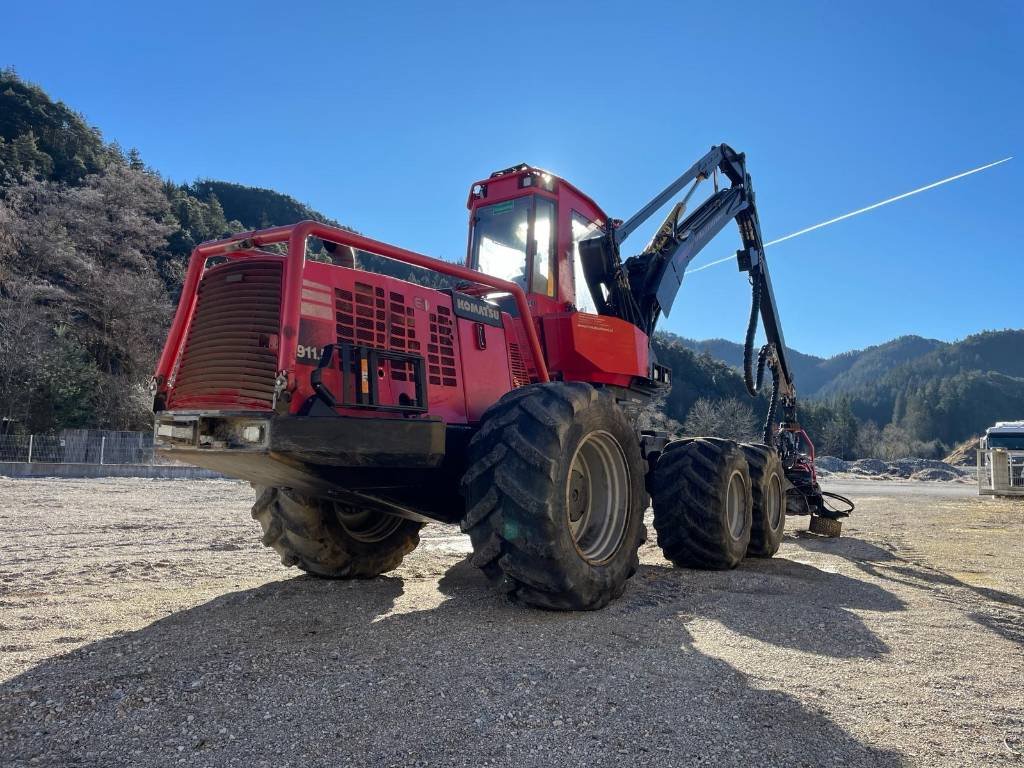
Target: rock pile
907	468
831	464
937	473
869	467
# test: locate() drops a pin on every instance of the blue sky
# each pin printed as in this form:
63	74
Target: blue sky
381	114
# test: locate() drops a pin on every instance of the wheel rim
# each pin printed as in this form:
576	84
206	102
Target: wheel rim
597	497
774	501
735	505
366	525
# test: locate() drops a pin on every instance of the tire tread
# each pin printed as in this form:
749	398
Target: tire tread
510	488
688	496
300	530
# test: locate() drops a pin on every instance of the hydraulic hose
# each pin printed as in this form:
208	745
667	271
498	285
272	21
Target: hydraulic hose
754	381
849	505
748	345
773	404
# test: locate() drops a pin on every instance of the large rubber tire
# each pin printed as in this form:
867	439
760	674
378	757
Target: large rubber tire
328	539
690	489
544	526
768	494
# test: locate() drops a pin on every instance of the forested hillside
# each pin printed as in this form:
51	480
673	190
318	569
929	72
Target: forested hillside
812	372
93	248
829	375
931	394
866	365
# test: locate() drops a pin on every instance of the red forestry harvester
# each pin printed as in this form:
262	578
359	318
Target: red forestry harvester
363	406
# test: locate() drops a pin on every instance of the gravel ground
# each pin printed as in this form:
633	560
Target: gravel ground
141	624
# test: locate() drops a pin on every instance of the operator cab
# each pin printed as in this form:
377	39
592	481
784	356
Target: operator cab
525	227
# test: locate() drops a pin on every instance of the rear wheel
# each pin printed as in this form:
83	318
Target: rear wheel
555	496
329	539
768	494
700	491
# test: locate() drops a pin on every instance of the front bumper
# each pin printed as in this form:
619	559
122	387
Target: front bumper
417	443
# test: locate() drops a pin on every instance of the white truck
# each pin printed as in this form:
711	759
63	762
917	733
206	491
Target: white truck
1001	460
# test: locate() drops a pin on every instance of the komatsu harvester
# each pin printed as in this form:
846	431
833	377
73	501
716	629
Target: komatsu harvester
363	406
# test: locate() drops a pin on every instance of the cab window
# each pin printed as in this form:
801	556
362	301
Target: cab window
543	247
582	228
516	238
499	239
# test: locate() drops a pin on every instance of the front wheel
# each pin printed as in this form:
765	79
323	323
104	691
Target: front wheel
555	496
333	540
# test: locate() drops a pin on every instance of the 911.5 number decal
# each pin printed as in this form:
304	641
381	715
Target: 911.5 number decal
307	353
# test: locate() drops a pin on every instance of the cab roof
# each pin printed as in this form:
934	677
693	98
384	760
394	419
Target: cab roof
524	169
1004	427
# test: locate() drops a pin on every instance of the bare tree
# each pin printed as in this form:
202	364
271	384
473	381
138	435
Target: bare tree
702	418
730	418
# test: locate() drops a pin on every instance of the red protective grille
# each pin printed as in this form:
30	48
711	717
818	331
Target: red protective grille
523	368
230	355
368	317
401	335
441	349
520	376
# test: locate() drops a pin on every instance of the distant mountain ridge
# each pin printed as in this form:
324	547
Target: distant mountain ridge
931	389
990	351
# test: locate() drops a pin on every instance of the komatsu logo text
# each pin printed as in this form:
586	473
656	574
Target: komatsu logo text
475	309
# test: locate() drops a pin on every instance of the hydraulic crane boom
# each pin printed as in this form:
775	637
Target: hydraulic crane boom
643	287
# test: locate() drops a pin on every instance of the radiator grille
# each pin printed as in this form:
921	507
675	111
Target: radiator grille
441	350
230	355
401	335
369	316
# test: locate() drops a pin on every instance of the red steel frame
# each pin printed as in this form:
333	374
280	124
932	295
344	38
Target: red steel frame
296	236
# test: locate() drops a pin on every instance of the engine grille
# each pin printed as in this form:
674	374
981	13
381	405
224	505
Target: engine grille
230	355
441	349
368	315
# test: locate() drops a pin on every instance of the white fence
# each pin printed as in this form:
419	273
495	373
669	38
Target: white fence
1000	472
81	446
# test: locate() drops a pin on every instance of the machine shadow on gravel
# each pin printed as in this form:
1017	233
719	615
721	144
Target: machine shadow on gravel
886	565
312	672
778	601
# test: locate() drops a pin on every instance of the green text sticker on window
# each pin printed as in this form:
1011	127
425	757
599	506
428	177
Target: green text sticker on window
505	207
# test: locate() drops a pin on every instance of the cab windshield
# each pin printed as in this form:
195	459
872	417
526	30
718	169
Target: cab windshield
1010	442
502	233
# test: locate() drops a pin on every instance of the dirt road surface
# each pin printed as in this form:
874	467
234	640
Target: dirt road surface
141	623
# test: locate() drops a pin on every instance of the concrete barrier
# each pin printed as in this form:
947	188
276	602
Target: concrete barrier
42	469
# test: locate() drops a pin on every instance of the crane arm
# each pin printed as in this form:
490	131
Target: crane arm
644	287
